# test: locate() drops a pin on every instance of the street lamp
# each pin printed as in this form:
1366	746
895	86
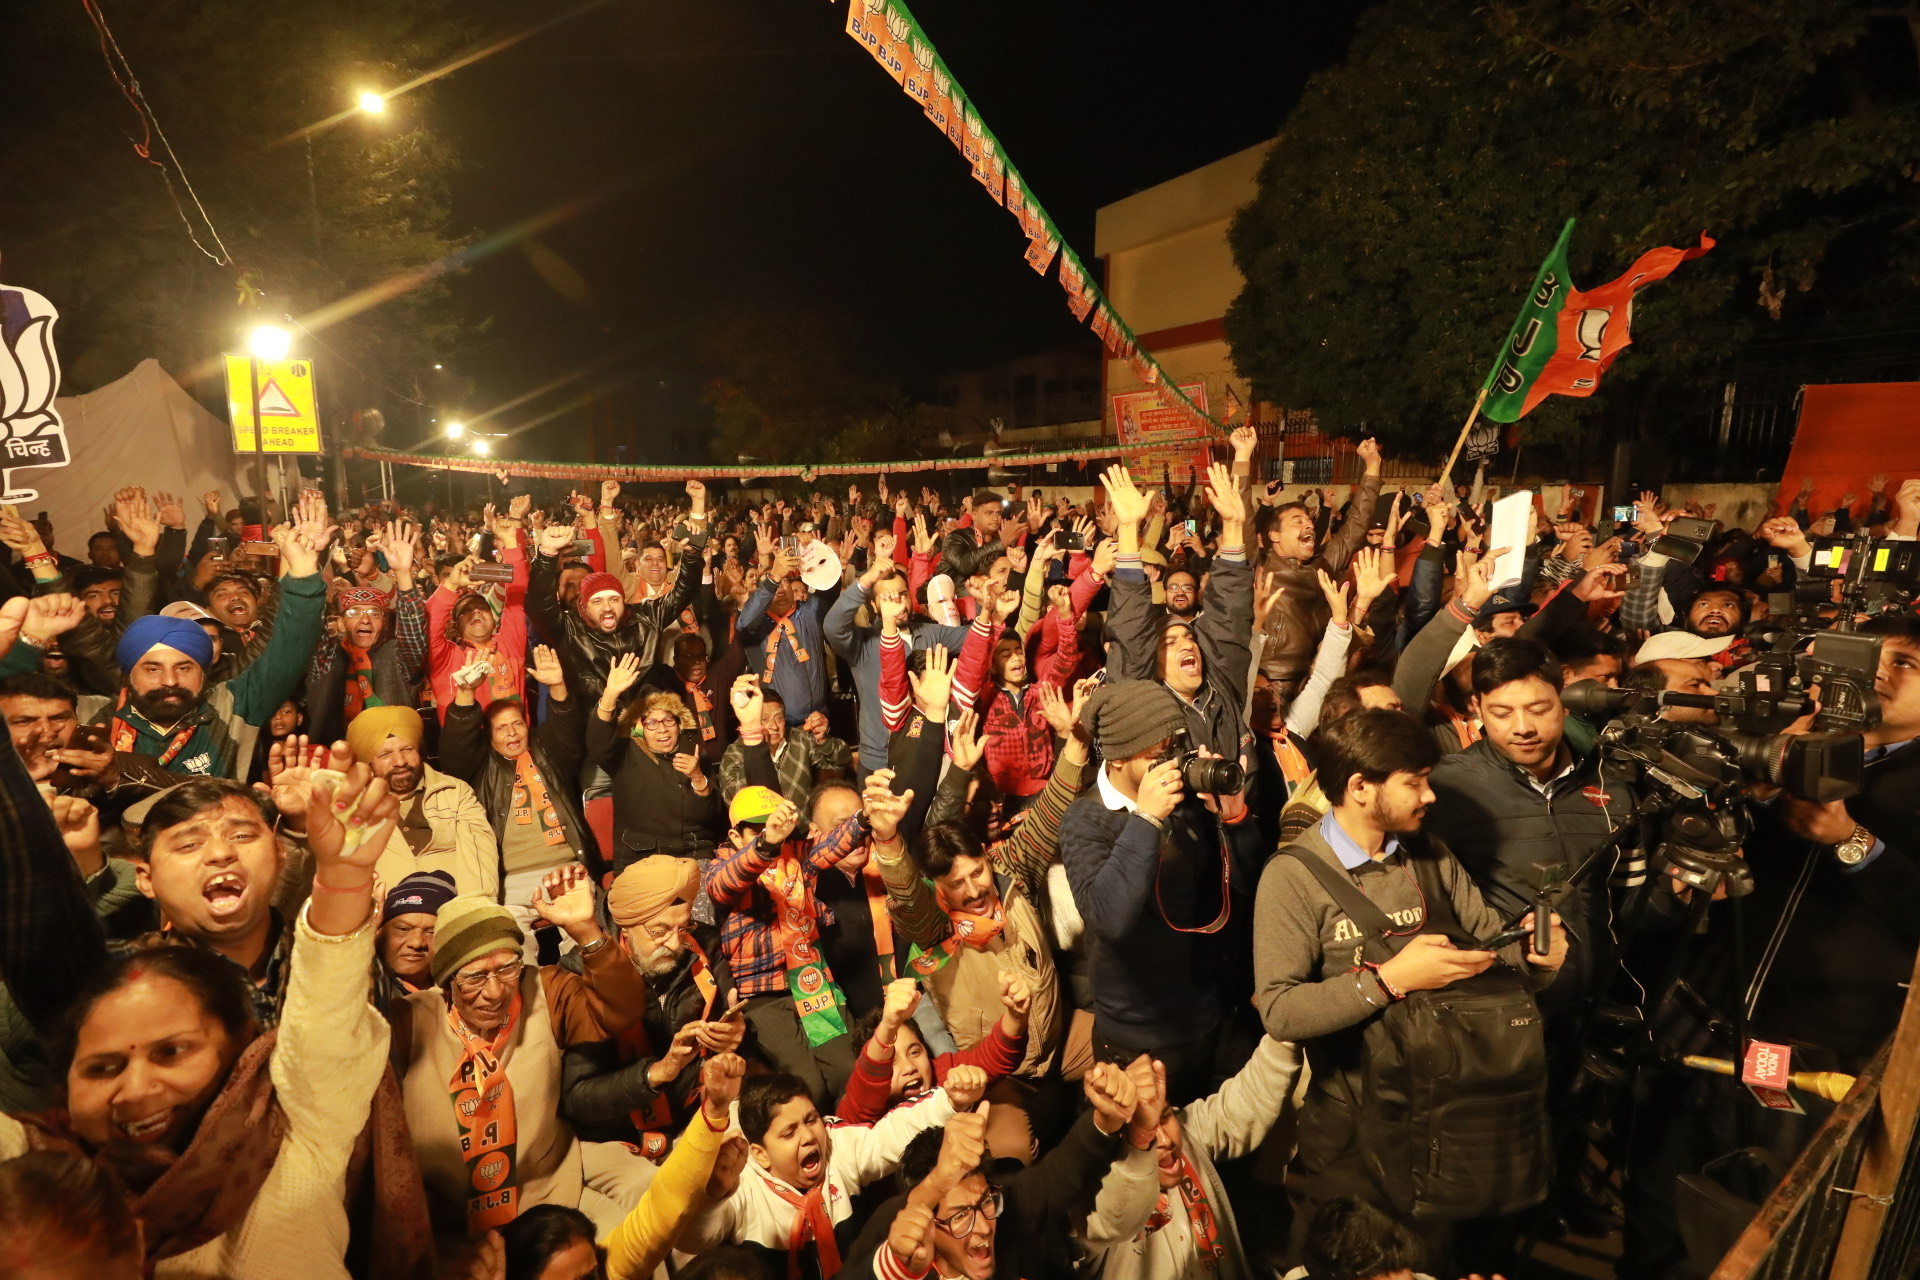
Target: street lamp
455	430
372	103
482	448
271	343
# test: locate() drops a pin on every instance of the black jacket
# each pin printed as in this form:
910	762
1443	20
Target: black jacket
1031	1241
1850	943
559	752
586	651
655	808
1499	824
1224	632
599	1096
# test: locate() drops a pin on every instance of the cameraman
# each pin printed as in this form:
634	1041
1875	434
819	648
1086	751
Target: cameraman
1147	873
1677	662
1849	944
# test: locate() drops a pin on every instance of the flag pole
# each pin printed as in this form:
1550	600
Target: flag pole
1461	441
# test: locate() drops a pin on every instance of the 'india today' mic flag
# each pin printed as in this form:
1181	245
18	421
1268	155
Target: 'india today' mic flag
1564	338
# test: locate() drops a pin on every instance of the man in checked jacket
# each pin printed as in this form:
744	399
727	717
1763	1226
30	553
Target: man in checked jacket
759	939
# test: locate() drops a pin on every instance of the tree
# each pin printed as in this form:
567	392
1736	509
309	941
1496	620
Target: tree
303	222
1412	193
786	387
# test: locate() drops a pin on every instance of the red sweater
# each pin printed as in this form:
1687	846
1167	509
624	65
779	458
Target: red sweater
1019	754
869	1092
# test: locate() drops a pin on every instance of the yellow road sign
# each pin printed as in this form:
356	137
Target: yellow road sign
287	405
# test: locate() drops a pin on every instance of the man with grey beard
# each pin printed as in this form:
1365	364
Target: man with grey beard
644	1086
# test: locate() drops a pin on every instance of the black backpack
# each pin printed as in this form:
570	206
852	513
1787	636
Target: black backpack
1452	1119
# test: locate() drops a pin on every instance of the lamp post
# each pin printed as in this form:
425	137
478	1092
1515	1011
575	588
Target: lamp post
267	342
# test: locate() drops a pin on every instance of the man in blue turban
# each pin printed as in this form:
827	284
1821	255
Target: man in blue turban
170	711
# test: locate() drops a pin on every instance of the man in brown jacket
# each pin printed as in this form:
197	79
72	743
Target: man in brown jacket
982	915
1292	558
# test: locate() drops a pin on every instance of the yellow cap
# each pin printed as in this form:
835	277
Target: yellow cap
753	804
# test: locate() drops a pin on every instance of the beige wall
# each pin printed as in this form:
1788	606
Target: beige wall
1168	266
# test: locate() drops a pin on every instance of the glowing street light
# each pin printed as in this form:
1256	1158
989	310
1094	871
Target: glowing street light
269	342
372	103
455	430
482	447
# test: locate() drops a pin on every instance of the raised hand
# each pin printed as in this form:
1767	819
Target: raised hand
1112	1095
173	512
780	824
910	1238
609	493
748	702
1473	578
965	1085
720	1079
1225	495
1336	594
565	898
137	519
49	617
1368	451
883	545
923	540
885	810
933	686
1264	602
1244	440
1083	690
1129	504
1646	514
899	999
622	674
555	538
210	501
292	765
1149	1078
967	744
1785	533
697	491
18	534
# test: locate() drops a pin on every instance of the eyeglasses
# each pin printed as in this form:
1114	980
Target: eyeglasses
661	932
359	611
961	1221
473	984
660	722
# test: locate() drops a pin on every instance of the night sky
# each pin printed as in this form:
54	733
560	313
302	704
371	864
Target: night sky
749	154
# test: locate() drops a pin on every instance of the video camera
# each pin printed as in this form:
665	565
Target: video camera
1704	762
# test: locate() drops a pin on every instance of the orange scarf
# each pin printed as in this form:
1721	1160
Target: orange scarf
1206	1227
530	798
653	1123
360	693
482	1098
970	929
702	712
817	998
810	1223
783	627
1293	765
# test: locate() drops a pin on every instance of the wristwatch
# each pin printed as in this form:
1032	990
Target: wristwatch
1851	850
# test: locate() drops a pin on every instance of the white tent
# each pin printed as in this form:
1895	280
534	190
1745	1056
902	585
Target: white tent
140	429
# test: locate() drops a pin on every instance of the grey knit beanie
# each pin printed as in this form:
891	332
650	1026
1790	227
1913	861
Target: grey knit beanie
1129	716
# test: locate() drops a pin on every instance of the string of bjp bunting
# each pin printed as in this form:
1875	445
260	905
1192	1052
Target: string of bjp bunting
888	30
806	472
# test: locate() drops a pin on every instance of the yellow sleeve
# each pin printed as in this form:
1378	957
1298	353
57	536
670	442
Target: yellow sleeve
641	1242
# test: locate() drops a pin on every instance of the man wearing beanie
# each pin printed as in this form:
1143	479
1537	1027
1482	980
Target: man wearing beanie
442	826
1149	888
381	651
605	626
169	711
462	627
643	1086
479	1060
406	934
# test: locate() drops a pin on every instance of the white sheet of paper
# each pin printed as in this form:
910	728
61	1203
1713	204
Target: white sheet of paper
1510	516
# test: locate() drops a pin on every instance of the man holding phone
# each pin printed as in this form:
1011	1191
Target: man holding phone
642	1086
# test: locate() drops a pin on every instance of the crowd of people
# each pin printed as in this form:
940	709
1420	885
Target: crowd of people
1003	887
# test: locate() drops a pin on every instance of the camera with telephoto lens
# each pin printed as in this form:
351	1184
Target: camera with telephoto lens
1209	775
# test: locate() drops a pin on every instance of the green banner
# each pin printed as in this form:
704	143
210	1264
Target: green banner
888	31
1531	341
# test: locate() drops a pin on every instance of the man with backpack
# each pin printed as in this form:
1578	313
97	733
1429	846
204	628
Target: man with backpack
1428	1089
